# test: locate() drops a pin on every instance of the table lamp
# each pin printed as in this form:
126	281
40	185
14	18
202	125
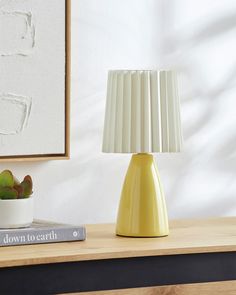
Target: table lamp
142	117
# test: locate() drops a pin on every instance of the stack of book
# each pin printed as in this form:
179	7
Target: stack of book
42	232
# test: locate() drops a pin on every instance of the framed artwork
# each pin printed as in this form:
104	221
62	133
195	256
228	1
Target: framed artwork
34	79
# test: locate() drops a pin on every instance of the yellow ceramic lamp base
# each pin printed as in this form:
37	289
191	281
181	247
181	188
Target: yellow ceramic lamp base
142	211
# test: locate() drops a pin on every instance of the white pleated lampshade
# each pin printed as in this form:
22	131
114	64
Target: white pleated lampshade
142	112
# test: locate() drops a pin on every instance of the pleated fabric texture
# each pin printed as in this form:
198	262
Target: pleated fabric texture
142	112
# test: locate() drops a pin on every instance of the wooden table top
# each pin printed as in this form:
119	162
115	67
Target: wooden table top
186	236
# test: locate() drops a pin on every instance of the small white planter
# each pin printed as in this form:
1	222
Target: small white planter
16	213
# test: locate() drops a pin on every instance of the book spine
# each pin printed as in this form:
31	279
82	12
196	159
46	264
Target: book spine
42	236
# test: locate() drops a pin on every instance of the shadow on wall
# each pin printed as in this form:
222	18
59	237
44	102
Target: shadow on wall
202	49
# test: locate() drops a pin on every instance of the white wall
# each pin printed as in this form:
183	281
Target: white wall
197	38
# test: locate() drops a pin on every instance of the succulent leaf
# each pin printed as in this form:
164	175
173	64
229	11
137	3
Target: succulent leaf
7	193
26	187
6	179
19	190
28	178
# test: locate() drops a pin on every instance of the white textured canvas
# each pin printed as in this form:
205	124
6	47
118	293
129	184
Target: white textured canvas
32	77
142	112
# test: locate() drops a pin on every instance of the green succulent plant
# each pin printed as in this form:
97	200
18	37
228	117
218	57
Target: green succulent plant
11	188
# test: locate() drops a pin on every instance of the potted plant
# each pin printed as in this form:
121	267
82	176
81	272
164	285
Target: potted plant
16	201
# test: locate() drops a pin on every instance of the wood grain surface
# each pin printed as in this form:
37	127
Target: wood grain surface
216	288
186	236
